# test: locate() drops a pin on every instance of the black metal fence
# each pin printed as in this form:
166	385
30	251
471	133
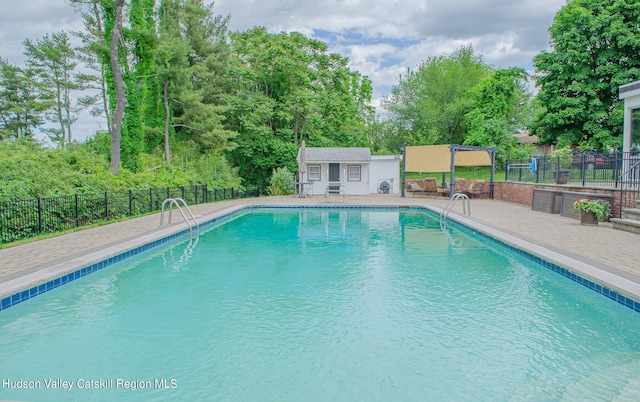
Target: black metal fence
615	170
585	169
21	219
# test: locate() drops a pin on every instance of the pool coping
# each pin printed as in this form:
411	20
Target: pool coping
17	290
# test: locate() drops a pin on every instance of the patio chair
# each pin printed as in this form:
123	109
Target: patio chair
478	189
430	186
460	186
415	187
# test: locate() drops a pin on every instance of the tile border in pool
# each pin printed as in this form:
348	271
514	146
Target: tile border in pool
39	289
596	287
36	290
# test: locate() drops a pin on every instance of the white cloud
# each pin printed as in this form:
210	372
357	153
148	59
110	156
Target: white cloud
381	38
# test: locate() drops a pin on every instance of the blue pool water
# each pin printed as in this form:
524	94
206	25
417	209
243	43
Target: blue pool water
322	305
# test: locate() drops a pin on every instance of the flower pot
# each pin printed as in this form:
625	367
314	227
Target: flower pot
561	176
588	218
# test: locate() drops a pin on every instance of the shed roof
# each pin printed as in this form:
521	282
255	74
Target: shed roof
336	155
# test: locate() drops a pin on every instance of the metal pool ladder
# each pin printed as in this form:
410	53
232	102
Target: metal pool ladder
466	207
176	202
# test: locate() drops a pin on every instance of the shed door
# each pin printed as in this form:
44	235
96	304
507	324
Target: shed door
334	175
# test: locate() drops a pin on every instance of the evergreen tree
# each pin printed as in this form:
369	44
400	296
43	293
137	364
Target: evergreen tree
20	108
53	62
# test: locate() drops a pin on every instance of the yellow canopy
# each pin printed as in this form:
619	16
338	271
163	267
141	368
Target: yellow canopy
437	158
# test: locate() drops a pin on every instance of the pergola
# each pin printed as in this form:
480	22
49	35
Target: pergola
444	158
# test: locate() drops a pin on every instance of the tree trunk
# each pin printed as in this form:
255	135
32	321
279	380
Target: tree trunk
167	146
67	95
118	79
63	132
103	81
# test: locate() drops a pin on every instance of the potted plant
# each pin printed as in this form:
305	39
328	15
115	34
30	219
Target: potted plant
563	158
591	211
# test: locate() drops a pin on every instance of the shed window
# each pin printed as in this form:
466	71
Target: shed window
354	173
313	173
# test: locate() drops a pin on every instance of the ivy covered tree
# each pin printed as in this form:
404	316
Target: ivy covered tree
595	49
162	74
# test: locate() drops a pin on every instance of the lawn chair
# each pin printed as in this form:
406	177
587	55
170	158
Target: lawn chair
415	187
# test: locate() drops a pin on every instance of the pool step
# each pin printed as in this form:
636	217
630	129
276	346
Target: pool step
617	383
630	220
631	392
612	383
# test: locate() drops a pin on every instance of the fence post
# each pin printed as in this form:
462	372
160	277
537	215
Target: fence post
520	172
150	199
617	162
206	193
39	215
106	206
77	218
130	203
182	188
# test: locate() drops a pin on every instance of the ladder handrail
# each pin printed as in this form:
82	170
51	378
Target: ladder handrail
175	201
629	186
466	207
190	213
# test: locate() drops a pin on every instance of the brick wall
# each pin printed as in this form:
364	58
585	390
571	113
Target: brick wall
522	193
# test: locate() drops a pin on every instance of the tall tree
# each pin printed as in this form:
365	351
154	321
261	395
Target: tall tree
286	88
595	49
118	79
138	62
20	108
53	61
208	37
501	108
173	66
94	53
428	105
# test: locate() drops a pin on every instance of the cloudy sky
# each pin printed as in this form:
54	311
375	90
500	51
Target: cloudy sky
381	38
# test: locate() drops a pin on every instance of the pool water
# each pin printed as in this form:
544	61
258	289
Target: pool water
322	305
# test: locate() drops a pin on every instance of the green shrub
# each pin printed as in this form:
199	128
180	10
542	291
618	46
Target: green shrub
29	170
282	182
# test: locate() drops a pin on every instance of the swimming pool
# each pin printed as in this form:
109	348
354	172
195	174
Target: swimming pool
322	304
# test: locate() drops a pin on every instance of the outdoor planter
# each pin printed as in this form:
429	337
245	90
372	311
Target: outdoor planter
588	218
563	162
591	211
561	176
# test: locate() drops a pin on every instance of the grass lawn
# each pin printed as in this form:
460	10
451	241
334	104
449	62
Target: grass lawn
461	172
